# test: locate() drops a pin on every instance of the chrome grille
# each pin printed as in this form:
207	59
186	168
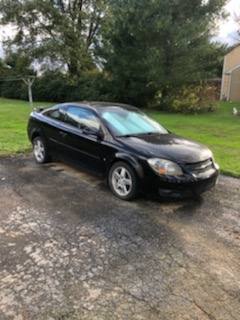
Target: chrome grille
199	167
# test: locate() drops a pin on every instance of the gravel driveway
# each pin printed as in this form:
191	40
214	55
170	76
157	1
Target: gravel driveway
70	250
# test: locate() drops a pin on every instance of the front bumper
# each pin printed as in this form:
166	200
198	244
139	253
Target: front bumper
187	185
188	189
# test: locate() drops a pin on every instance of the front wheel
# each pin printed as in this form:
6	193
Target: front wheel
122	181
40	150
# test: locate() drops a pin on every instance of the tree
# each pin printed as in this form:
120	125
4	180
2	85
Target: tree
3	68
18	64
236	34
153	47
212	60
60	31
15	73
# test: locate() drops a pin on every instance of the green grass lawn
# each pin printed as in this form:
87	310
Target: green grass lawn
220	130
13	124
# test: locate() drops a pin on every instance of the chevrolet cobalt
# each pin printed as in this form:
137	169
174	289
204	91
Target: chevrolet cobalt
134	153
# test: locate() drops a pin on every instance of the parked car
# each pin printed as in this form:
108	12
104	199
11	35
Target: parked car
134	152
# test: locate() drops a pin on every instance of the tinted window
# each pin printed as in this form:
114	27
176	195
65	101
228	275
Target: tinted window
82	118
56	114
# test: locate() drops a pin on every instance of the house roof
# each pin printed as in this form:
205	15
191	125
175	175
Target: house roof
232	48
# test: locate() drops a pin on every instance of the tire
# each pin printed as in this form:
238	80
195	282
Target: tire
123	181
40	150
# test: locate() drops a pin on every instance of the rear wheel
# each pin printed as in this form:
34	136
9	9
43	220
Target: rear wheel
40	150
122	180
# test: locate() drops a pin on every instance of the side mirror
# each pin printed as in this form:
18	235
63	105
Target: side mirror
100	134
38	109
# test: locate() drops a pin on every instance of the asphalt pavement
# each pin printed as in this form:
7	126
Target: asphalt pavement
70	250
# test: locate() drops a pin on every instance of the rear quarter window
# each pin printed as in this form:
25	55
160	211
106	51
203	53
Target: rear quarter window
56	114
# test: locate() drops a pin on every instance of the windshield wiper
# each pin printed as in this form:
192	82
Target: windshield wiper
150	133
136	135
128	136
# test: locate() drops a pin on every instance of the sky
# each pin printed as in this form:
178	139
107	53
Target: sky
227	29
227	32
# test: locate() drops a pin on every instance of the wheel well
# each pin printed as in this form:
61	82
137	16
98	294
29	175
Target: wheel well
118	160
125	161
35	135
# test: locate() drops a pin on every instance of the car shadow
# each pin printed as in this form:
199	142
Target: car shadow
189	203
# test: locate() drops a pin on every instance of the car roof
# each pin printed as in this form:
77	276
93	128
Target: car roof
96	105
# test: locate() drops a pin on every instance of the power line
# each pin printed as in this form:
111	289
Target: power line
17	78
7	80
28	80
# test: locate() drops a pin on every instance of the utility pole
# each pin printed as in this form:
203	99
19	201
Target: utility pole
29	82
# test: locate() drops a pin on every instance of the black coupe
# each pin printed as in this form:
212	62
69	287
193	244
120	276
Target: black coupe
134	152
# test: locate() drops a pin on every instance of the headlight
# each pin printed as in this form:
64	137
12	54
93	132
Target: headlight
165	167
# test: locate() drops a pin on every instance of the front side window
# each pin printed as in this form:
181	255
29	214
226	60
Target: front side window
130	122
82	118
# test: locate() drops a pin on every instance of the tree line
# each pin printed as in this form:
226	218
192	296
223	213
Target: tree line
142	52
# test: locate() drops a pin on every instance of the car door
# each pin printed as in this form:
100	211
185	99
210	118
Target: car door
55	129
82	139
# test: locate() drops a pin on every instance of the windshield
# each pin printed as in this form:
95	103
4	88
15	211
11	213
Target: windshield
123	122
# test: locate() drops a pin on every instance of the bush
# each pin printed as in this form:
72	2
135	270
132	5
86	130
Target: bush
13	90
55	86
96	85
194	99
59	87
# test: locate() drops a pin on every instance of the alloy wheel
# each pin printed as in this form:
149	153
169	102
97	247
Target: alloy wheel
122	181
39	150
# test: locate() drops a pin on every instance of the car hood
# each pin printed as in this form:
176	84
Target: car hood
167	146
